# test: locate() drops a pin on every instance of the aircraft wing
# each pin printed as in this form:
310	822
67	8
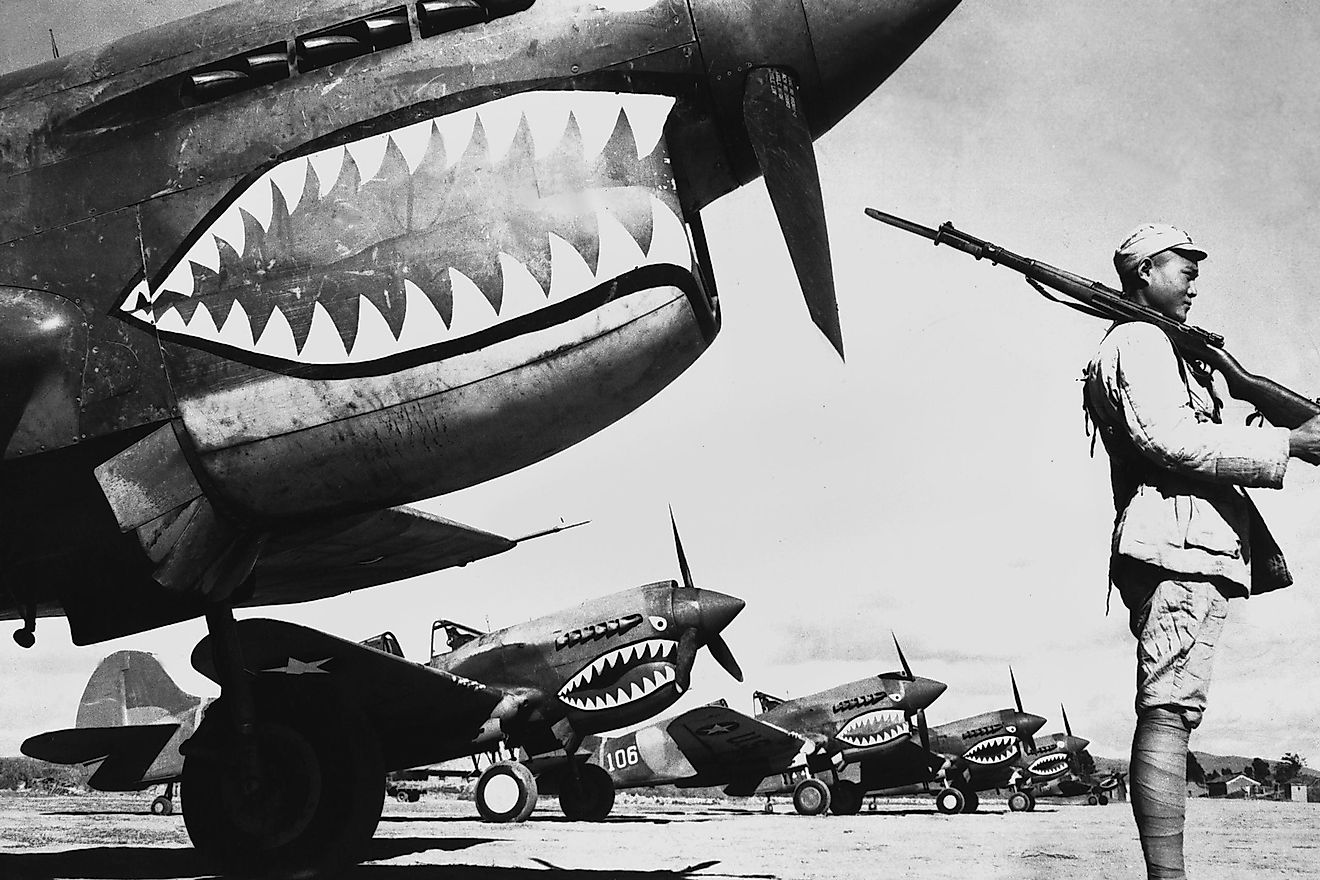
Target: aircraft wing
420	714
724	745
126	753
364	551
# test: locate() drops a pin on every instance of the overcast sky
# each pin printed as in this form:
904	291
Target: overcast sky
939	484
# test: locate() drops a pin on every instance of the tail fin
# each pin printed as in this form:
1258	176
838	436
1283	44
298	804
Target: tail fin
131	687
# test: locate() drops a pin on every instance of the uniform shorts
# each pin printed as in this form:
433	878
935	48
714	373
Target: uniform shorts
1177	620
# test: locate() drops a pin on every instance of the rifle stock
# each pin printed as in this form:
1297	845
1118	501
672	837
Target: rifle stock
1279	405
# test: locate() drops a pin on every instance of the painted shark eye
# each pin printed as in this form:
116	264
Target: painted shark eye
895	697
1011	728
659	624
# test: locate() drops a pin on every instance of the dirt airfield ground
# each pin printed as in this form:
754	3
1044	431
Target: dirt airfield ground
111	837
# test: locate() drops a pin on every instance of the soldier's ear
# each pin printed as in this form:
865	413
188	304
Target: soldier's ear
1143	270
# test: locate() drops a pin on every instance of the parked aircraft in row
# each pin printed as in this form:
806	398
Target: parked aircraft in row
269	273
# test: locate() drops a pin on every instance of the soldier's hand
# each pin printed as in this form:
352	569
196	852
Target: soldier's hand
1304	441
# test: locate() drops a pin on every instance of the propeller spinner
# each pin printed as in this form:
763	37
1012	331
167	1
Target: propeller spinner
703	614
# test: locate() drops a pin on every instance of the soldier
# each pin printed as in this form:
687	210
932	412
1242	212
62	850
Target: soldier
1186	536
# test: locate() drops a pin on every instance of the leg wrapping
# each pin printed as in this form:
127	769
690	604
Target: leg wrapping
1158	777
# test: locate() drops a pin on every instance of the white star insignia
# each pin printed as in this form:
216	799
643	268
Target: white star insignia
299	667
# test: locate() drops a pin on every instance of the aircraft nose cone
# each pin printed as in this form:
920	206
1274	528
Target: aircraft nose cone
716	610
924	691
1029	724
859	43
1076	743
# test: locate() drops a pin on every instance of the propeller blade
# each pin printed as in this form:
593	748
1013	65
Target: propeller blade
923	729
1067	728
719	649
1017	697
907	670
688	643
781	139
682	559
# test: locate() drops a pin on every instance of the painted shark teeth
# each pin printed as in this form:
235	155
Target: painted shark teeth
875	728
1049	765
995	750
623	690
549	118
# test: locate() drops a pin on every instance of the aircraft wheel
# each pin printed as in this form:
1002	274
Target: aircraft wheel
1019	802
589	796
970	801
305	800
1103	799
506	792
811	797
846	798
1092	799
414	797
949	801
162	806
402	796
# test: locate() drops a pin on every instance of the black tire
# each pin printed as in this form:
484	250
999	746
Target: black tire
506	792
414	797
949	801
1103	799
311	808
162	806
1092	799
846	798
811	797
587	797
1019	802
971	801
1031	802
402	796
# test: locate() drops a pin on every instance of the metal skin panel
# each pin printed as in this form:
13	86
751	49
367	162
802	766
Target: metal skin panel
49	146
522	409
43	344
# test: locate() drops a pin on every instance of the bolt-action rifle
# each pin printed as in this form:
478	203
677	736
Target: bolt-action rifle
1279	405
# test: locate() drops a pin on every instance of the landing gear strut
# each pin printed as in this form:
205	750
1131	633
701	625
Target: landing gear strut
278	780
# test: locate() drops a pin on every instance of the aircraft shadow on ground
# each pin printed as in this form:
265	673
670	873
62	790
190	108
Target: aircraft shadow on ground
540	868
165	863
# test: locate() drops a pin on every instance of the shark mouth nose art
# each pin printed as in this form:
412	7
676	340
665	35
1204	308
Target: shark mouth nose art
1049	765
622	676
875	728
440	236
995	750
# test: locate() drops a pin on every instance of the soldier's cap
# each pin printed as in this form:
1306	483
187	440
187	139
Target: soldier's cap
1150	239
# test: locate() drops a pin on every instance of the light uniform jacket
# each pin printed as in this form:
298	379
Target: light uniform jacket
1176	470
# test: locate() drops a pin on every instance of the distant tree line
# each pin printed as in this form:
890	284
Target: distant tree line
31	773
1284	771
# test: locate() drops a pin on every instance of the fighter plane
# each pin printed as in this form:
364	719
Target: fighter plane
131	721
268	273
779	748
962	757
540	686
1070	781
